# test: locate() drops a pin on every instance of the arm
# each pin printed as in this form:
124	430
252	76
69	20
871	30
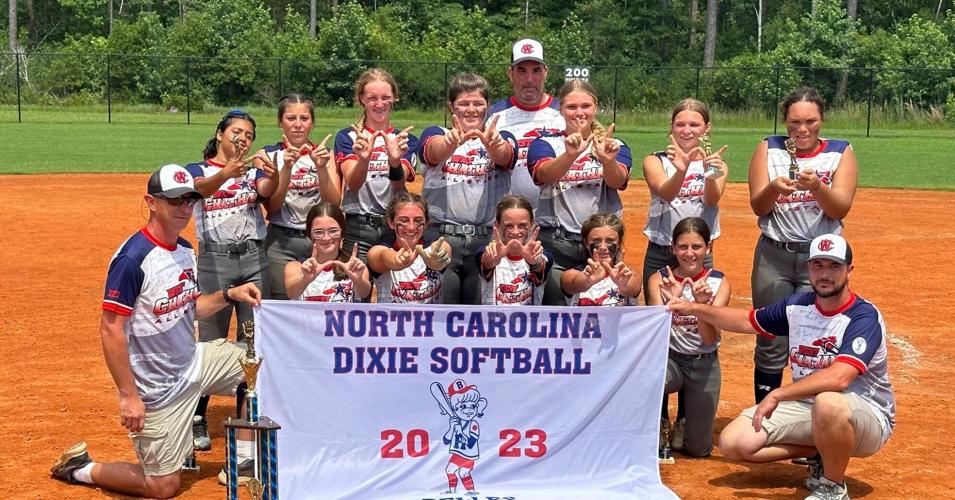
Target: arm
574	281
653	290
608	150
132	411
836	200
382	259
296	279
709	333
274	203
667	188
762	195
437	145
713	187
551	170
210	303
835	378
724	318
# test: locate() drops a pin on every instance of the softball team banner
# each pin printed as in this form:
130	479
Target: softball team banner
442	402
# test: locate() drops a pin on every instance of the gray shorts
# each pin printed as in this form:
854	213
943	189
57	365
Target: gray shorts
777	274
791	423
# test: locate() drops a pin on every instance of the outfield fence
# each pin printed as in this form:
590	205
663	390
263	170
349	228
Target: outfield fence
191	84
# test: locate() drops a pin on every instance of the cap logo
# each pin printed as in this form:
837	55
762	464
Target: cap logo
179	177
826	245
527	48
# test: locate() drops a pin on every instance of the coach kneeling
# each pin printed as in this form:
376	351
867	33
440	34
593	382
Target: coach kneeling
840	403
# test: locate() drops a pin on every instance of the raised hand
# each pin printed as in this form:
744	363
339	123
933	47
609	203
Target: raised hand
715	160
702	292
532	250
246	293
311	268
320	155
404	256
681	159
435	256
594	272
807	180
456	136
364	142
490	137
396	146
291	154
673	286
620	273
353	267
606	149
574	144
783	185
495	250
264	163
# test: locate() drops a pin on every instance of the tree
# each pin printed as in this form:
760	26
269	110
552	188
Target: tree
12	29
311	18
694	14
709	46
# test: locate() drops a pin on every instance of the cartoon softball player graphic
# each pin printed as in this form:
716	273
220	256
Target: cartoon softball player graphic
464	405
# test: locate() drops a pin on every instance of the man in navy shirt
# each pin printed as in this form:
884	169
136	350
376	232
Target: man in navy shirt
840	403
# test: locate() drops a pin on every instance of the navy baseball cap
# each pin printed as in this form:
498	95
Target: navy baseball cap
832	247
171	181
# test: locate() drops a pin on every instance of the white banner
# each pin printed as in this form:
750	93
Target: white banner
382	401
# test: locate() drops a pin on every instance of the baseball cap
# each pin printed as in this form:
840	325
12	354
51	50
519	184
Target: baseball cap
832	247
527	50
171	181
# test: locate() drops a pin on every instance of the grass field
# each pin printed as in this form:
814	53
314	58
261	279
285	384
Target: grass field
139	139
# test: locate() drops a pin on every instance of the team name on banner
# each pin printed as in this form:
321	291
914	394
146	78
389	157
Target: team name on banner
381	401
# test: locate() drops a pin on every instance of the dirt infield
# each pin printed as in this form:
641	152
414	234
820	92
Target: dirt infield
59	232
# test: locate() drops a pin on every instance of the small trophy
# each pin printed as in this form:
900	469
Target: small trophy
793	167
712	171
265	484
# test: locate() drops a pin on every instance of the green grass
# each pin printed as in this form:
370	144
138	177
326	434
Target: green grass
75	140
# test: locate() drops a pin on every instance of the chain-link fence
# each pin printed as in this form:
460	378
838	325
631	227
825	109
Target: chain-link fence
185	85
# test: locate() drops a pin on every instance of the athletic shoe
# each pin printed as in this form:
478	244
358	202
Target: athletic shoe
679	429
664	456
200	434
76	457
828	490
815	475
246	470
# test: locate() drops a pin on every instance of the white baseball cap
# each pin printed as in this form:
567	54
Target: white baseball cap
832	247
527	50
171	181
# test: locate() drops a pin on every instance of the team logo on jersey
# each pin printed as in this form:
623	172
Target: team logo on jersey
339	292
519	291
422	288
859	345
819	355
527	48
826	245
463	405
179	296
179	177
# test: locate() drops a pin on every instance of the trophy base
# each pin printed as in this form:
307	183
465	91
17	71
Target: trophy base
190	464
713	173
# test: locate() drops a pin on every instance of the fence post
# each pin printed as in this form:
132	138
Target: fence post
615	94
188	90
281	83
697	94
868	111
109	93
16	55
445	93
775	104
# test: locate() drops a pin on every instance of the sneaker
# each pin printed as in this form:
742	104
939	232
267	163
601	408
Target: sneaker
246	470
815	475
200	434
76	457
828	490
664	456
679	429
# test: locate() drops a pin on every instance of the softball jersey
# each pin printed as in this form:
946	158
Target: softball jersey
303	190
684	330
232	214
326	288
374	194
513	283
664	215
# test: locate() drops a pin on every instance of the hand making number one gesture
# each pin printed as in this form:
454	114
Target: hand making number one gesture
490	137
320	154
353	267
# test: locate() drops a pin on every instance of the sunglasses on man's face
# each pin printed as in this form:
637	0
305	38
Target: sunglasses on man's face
182	200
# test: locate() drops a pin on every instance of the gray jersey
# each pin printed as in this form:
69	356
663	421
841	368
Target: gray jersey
526	124
798	217
684	330
303	189
233	213
373	196
664	215
155	287
581	192
465	188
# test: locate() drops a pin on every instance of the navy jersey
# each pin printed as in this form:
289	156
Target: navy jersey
853	334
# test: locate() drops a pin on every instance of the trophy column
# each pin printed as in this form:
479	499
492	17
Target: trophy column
265	434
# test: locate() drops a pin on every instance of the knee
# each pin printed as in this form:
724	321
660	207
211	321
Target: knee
830	408
739	441
700	450
162	487
730	446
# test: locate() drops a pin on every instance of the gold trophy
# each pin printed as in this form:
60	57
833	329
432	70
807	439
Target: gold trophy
255	489
250	365
712	171
793	167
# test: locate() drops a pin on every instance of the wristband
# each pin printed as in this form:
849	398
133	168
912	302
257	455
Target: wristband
396	173
225	295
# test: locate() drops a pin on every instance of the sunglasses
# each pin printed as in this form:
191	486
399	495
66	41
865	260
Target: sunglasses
180	201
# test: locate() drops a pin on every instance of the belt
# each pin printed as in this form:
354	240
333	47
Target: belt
693	356
289	231
789	246
368	219
563	234
463	230
240	247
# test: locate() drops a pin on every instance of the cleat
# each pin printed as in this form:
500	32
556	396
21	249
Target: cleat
679	430
246	471
828	490
815	476
76	457
200	434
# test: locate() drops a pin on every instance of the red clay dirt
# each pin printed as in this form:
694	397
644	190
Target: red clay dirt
60	231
